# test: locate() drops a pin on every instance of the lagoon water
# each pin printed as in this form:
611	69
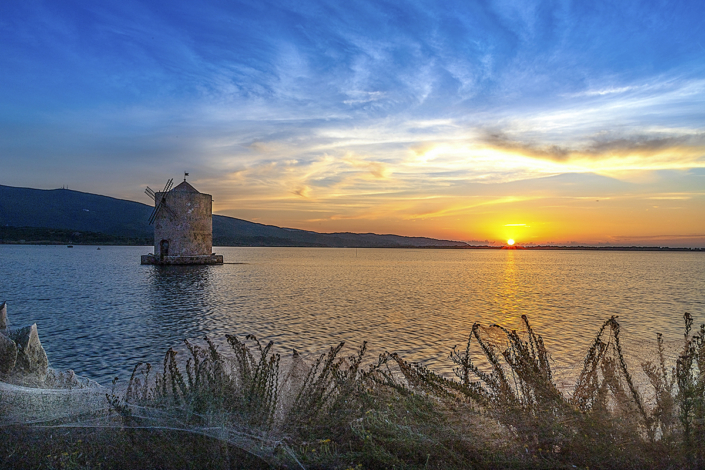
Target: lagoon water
100	312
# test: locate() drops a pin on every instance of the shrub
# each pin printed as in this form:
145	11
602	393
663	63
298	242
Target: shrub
503	409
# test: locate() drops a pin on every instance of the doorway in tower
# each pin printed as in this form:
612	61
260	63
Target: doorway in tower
163	248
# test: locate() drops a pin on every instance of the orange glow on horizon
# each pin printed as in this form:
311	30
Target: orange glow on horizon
540	219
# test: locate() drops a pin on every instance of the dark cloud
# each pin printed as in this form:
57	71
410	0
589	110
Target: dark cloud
597	147
500	140
643	144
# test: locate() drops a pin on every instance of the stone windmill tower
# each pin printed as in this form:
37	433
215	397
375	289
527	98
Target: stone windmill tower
183	226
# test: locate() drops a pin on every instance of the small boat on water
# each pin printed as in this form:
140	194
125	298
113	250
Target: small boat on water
69	246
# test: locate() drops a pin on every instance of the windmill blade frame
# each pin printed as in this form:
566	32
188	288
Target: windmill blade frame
162	202
153	216
168	209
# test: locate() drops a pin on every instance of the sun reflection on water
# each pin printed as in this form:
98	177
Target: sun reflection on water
507	297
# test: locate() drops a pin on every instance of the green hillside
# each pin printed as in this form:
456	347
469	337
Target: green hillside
67	216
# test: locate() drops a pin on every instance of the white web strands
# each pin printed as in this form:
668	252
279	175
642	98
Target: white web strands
72	399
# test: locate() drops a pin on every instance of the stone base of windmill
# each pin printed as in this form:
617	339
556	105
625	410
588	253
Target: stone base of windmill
182	260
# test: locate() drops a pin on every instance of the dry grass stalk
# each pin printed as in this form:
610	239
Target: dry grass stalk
336	413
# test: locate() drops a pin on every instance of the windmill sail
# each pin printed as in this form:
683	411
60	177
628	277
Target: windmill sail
161	203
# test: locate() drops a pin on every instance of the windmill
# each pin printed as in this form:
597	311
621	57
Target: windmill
160	202
183	226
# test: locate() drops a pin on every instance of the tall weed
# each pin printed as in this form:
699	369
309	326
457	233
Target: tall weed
503	409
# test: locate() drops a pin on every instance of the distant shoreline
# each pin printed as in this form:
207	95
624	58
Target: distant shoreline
469	247
577	248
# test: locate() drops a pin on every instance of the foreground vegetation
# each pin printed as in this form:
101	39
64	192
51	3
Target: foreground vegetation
241	408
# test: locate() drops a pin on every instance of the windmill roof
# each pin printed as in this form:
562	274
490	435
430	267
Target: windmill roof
185	187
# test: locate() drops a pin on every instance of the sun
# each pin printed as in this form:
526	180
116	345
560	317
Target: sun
510	242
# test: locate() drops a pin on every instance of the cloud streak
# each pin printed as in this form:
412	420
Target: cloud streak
679	150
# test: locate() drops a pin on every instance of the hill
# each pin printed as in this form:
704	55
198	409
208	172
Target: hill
62	215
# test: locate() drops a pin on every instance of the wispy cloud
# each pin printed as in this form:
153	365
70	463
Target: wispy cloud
604	91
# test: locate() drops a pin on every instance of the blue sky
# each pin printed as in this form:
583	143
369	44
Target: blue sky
459	120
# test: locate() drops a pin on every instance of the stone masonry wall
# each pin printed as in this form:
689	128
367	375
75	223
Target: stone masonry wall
190	231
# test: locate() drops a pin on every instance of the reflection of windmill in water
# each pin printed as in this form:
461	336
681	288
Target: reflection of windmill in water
183	226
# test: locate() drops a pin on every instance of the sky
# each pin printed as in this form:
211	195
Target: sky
560	122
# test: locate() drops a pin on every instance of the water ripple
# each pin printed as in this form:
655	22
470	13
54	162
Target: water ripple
100	312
